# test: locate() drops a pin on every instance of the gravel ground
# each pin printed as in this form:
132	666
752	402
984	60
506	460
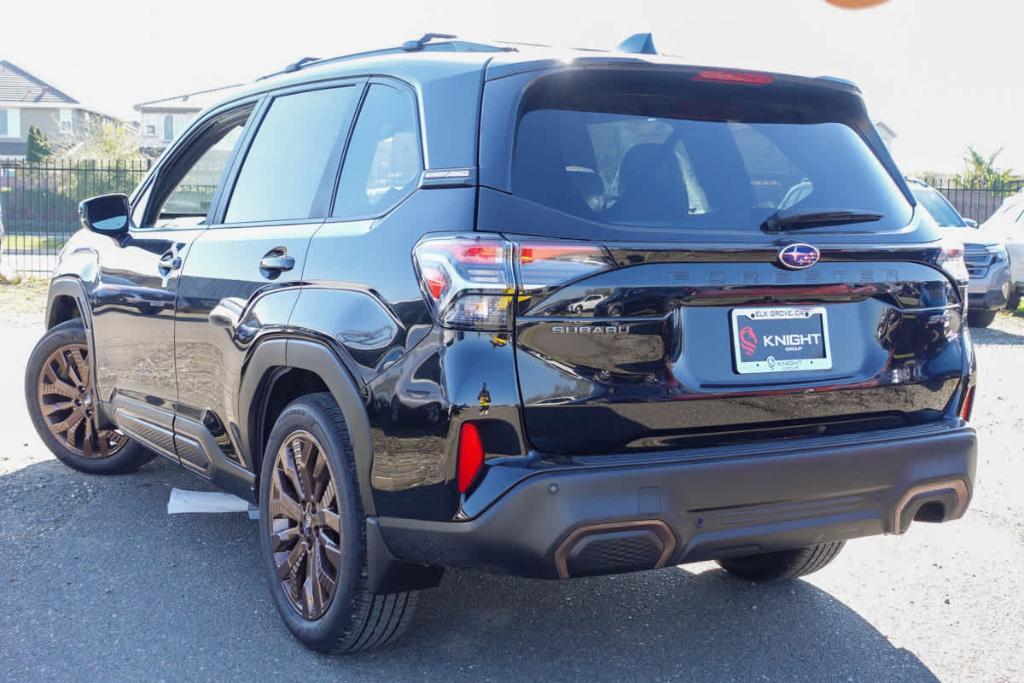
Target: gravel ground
97	582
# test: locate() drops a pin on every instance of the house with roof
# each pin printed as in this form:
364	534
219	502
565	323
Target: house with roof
160	121
26	101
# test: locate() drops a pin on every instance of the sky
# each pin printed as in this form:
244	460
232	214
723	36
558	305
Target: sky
943	74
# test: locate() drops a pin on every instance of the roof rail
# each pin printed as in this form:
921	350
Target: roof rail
416	45
446	41
295	66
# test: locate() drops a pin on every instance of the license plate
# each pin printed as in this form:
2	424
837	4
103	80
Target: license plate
788	339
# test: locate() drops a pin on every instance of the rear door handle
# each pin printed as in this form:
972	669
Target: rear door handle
277	263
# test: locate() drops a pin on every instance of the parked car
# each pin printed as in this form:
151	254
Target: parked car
1007	226
423	220
990	288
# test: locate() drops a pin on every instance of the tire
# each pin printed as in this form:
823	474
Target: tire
350	619
785	564
981	318
1013	301
61	399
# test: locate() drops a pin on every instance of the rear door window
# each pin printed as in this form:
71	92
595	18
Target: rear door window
382	164
693	157
293	158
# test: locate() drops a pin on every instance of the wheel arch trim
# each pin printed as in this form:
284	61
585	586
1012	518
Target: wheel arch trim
69	286
303	354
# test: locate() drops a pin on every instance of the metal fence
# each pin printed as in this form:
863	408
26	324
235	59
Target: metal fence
977	202
39	204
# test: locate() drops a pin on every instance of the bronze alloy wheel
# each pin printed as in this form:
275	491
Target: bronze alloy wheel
66	402
304	525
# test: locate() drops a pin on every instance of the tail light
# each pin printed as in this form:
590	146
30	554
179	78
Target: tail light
467	280
471	455
951	260
472	282
967	407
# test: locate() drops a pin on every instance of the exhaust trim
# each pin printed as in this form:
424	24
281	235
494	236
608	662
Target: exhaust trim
957	486
660	529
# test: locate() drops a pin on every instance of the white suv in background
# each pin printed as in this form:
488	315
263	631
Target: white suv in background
1007	226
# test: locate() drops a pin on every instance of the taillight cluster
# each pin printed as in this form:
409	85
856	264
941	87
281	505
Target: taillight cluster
473	282
951	260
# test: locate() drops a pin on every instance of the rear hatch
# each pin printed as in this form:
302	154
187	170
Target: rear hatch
704	257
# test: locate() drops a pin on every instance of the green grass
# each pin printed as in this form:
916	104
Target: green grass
34	242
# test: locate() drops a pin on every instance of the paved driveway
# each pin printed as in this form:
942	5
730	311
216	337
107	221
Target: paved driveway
97	582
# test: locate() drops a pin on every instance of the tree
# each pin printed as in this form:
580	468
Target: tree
980	172
38	146
109	141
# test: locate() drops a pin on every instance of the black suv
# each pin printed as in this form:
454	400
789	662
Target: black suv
505	308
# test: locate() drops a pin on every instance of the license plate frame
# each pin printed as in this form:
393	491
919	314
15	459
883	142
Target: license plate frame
771	364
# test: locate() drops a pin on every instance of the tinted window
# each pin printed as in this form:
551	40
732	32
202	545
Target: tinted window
382	164
187	197
291	157
940	209
684	156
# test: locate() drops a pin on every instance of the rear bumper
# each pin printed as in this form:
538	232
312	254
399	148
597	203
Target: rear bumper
992	291
990	300
610	519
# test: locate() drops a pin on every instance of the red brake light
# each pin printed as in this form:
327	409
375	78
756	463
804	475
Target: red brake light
547	264
471	455
481	254
549	252
436	282
967	407
741	77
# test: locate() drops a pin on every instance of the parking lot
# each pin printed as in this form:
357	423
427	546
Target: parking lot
98	582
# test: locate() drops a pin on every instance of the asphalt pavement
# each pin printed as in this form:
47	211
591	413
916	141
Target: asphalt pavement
98	582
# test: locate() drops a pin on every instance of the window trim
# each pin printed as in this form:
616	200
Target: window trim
177	154
410	92
216	218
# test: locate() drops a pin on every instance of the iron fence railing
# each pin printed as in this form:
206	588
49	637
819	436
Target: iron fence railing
977	202
39	204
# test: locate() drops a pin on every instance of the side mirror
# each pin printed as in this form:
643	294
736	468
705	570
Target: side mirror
107	214
971	223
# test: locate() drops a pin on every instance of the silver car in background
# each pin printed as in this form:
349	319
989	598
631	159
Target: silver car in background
990	288
1007	226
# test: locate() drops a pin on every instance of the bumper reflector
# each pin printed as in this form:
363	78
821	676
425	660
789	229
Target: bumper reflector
471	455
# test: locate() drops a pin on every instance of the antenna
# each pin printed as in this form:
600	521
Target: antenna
638	44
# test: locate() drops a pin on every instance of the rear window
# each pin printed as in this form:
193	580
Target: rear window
940	209
666	152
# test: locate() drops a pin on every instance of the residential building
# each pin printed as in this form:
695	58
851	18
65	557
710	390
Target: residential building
163	120
26	101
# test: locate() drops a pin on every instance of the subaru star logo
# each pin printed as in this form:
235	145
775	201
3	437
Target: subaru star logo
798	256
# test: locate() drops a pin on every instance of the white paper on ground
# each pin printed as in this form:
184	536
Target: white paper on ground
204	501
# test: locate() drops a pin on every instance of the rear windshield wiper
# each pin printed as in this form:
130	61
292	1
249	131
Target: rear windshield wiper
782	221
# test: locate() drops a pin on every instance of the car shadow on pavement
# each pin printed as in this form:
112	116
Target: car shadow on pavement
988	336
98	582
669	623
